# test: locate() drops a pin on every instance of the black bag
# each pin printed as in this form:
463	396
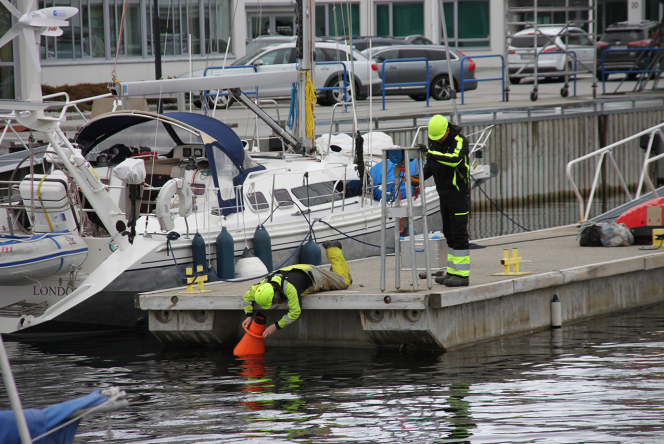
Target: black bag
590	236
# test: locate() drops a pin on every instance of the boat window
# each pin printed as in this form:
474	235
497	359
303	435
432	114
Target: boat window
226	171
283	198
257	201
316	193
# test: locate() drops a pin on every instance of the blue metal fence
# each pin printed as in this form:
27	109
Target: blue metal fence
502	77
386	85
603	73
345	87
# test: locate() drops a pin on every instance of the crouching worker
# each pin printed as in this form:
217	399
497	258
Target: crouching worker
288	284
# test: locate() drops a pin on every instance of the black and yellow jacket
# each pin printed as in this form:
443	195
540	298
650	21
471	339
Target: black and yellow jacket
448	163
291	291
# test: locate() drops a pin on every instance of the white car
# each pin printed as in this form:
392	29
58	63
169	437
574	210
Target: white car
551	40
278	58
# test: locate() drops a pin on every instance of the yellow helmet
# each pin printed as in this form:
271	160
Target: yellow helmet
264	295
437	127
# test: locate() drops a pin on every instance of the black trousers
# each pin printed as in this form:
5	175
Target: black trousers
454	209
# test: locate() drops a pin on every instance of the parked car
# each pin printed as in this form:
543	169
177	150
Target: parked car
416	40
277	58
360	43
550	39
408	72
625	35
263	41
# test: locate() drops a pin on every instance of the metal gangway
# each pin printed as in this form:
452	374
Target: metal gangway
607	153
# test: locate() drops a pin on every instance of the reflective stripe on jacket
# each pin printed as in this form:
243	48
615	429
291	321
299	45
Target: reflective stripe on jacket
447	162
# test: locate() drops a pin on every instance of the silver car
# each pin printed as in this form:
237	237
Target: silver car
328	77
415	71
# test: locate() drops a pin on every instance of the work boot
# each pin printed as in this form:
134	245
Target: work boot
457	281
330	244
443	278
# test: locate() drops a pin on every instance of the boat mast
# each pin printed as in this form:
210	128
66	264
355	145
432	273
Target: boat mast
304	49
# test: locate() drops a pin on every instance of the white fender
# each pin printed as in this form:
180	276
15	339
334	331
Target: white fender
166	195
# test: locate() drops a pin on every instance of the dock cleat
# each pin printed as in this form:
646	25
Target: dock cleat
457	281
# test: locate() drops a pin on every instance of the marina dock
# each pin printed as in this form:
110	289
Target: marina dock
589	281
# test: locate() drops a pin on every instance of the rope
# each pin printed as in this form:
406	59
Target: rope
117	51
310	94
353	237
292	112
498	208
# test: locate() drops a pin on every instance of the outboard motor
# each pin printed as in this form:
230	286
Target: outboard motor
132	173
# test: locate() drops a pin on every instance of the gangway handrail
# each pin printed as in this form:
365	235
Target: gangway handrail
629	71
415	59
502	77
608	150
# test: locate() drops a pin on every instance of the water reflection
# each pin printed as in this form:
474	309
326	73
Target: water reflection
597	381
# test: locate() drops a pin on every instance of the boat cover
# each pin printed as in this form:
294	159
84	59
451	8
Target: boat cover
41	421
225	146
377	176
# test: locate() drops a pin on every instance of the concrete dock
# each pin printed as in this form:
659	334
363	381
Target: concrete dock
589	281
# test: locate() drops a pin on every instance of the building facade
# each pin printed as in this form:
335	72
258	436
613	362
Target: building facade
105	40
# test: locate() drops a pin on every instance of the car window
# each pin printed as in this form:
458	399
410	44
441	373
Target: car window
322	56
244	60
436	55
385	55
578	39
526	41
277	57
412	53
338	55
624	36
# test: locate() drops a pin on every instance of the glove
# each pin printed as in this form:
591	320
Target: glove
423	148
415	181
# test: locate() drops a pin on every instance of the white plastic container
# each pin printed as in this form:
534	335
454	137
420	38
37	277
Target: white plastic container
437	252
52	210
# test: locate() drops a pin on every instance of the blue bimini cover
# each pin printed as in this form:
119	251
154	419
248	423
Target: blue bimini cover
229	162
41	421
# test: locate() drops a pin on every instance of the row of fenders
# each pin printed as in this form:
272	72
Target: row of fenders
225	248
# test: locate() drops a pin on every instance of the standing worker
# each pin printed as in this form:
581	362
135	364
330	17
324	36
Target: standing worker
290	283
447	162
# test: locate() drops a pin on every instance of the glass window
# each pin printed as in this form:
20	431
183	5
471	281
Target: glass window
284	25
257	201
578	39
467	23
407	19
260	26
316	193
339	24
436	55
97	44
412	53
385	55
7	82
383	20
277	57
321	56
321	29
283	198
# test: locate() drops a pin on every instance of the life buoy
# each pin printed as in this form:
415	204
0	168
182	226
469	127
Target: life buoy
166	195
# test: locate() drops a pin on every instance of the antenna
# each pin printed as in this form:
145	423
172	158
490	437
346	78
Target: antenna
33	24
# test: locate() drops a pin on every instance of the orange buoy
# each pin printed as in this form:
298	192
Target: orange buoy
252	343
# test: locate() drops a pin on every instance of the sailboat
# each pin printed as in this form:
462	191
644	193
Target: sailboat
138	198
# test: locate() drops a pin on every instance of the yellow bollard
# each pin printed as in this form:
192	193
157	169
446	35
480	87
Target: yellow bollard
190	279
511	262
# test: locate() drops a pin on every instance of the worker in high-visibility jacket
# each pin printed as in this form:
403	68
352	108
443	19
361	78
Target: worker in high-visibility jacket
287	285
447	162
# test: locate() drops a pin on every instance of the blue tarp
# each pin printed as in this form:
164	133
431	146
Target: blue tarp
377	175
41	421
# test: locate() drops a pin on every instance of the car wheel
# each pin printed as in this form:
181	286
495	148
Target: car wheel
418	97
515	80
336	95
440	89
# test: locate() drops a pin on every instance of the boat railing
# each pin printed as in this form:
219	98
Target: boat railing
607	151
343	199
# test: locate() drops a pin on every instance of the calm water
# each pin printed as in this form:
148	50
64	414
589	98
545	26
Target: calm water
601	381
